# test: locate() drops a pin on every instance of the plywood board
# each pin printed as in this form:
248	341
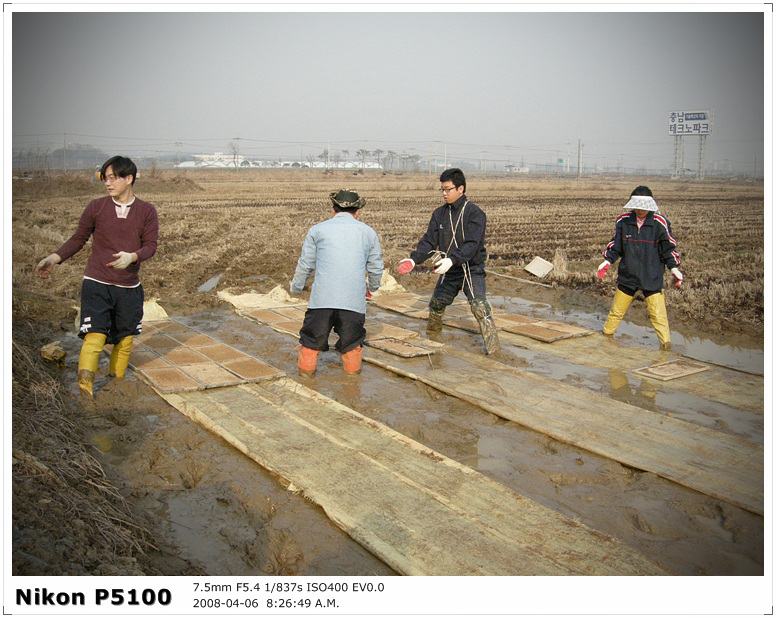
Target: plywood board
193	339
420	512
220	352
212	374
291	327
252	369
678	368
292	313
190	365
568	329
509	319
379	330
184	356
708	461
534	331
157	341
539	267
265	315
147	359
399	347
171	379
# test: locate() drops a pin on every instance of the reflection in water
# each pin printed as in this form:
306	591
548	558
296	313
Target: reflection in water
642	396
727	350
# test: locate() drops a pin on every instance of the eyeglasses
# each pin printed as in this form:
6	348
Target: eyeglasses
448	189
110	178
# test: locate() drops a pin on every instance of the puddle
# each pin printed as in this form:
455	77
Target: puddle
210	283
594	490
730	351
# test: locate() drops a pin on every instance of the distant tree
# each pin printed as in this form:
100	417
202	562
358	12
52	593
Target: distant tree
377	154
363	154
234	150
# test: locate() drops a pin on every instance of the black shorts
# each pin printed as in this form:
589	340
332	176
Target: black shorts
111	310
349	325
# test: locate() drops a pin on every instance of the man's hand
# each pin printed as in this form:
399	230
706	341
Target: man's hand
46	265
405	266
123	259
678	276
603	267
442	266
368	294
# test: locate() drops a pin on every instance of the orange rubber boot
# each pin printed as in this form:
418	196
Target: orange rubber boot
307	362
351	361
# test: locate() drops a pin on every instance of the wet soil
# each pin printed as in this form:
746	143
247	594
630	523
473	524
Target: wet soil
211	510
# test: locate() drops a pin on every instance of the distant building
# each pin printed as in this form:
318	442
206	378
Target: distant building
514	169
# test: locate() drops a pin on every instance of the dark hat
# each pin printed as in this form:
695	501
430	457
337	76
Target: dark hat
345	198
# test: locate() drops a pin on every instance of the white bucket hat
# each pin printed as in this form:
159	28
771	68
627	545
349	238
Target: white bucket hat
641	202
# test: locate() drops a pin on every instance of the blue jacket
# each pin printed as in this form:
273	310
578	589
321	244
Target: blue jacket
341	251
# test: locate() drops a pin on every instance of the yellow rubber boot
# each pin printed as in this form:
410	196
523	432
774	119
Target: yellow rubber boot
620	305
656	307
88	361
119	357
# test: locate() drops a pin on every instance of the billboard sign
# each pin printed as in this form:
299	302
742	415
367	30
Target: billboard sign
695	122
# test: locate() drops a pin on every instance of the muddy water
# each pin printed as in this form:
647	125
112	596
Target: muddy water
218	510
685	531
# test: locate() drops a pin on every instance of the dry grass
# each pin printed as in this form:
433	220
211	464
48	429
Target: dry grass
249	226
59	490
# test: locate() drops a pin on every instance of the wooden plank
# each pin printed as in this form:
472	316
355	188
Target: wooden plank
420	512
708	461
729	387
534	331
399	347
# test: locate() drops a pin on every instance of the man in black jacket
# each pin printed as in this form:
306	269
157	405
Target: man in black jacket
456	239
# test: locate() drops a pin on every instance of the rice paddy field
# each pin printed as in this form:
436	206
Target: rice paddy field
248	227
126	485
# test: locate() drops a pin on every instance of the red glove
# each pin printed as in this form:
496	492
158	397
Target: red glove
405	266
368	295
678	276
604	266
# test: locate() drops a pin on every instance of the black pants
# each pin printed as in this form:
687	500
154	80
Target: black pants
111	310
453	281
349	325
632	291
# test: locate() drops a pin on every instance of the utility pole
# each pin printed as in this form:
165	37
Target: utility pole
579	159
64	151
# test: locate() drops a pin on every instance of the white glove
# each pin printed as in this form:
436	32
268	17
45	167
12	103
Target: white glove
678	276
442	266
123	259
46	265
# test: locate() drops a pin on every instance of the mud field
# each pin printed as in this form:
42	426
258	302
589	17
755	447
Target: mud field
127	485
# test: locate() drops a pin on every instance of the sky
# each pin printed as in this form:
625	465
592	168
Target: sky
483	87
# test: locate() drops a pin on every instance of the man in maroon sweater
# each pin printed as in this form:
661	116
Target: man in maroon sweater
124	232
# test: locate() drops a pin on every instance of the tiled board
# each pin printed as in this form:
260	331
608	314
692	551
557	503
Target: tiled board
176	358
671	370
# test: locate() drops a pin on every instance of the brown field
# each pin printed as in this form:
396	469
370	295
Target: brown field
81	509
252	223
